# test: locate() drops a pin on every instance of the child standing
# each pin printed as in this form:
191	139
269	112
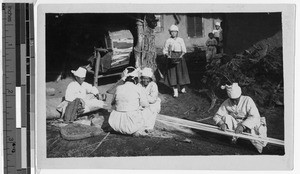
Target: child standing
211	44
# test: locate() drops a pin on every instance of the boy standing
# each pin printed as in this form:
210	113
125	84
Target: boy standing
211	44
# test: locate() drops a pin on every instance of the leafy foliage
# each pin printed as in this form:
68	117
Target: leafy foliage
260	78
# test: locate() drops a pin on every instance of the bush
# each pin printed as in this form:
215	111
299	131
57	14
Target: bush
260	78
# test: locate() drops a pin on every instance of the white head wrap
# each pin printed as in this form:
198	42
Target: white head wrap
173	28
134	73
147	72
80	72
233	91
218	23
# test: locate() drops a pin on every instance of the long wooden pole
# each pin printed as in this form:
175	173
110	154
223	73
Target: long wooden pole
138	46
98	57
210	128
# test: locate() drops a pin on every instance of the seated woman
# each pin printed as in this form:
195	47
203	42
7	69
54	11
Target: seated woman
131	107
240	114
151	90
112	90
88	94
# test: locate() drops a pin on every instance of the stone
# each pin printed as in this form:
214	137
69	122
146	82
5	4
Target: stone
97	121
50	91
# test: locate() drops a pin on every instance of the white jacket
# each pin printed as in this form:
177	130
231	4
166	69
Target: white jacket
75	90
176	44
246	112
129	97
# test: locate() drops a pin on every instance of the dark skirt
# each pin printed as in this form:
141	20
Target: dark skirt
176	74
218	46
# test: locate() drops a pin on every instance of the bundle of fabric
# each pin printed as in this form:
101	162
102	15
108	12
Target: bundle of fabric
73	109
51	111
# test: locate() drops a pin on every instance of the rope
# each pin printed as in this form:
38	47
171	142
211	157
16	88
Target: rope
99	143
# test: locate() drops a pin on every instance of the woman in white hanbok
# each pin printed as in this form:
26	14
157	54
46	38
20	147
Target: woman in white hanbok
151	90
239	113
88	94
131	108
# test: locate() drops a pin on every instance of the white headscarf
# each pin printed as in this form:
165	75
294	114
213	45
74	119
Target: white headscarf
233	91
147	72
173	28
80	72
134	73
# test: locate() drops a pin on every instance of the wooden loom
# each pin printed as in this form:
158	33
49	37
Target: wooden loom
214	129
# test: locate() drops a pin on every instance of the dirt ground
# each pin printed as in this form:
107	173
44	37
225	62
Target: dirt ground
165	140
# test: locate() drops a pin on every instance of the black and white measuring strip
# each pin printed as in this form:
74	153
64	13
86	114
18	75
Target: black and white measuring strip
18	87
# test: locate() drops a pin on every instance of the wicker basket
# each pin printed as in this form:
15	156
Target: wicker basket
175	57
79	131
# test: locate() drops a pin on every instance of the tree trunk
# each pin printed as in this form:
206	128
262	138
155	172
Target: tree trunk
145	49
149	48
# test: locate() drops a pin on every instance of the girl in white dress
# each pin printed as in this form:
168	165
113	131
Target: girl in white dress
151	90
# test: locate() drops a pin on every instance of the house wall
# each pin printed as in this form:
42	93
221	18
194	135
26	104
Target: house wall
240	30
207	22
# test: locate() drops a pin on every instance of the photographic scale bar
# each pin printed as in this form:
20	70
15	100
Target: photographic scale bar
18	87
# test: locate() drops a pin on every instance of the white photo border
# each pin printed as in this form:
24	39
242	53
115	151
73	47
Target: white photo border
258	162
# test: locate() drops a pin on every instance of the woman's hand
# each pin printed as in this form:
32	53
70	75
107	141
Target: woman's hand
82	103
222	125
181	56
239	129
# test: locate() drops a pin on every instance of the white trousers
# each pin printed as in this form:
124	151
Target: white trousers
259	130
90	103
150	118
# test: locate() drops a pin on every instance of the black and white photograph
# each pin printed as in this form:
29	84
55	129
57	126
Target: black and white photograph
163	83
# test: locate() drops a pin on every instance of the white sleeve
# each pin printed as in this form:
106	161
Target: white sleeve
253	117
221	112
90	89
152	97
71	92
166	47
94	90
183	48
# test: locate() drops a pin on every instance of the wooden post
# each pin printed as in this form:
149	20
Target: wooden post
98	57
145	49
138	47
